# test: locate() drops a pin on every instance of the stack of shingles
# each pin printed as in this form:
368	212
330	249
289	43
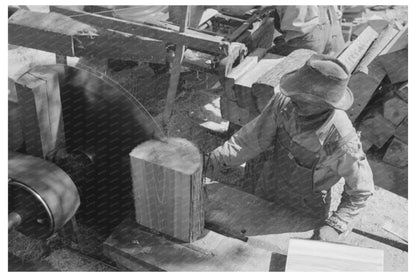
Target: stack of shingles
251	84
384	124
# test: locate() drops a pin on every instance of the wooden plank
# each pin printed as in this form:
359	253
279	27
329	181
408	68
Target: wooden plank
134	247
310	256
30	126
192	39
45	32
363	87
352	55
396	65
244	84
402	131
167	187
395	110
376	129
268	84
396	153
399	42
380	43
270	225
44	85
246	65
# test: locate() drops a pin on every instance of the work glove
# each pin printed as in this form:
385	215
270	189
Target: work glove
327	233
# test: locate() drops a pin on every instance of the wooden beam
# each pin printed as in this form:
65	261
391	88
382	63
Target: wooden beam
399	42
396	65
352	55
193	39
383	39
167	187
45	31
311	255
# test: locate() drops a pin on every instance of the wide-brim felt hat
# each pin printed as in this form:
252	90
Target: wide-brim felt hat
323	77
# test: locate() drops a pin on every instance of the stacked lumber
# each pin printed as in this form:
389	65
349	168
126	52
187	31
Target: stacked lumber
250	85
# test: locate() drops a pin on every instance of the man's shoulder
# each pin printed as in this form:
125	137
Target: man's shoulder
337	132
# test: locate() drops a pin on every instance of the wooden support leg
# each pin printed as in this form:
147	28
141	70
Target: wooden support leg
173	82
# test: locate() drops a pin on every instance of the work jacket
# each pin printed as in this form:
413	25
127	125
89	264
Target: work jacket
331	152
308	27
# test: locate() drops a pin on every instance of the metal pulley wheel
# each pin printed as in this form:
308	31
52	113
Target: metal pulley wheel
86	124
42	197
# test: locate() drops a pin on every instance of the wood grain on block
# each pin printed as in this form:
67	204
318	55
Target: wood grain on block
44	87
380	43
402	131
395	110
363	87
402	92
311	255
268	84
396	65
352	55
376	129
167	187
135	248
243	85
399	42
246	65
396	154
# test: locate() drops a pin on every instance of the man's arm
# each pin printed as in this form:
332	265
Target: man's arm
254	138
352	164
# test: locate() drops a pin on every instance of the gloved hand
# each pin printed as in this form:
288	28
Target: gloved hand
327	233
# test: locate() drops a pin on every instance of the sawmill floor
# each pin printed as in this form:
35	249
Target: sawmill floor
187	116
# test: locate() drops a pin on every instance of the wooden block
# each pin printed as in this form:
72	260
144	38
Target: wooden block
376	129
396	154
268	84
399	42
243	85
396	65
249	62
363	87
312	256
395	110
402	131
44	87
352	55
379	44
136	248
167	187
402	92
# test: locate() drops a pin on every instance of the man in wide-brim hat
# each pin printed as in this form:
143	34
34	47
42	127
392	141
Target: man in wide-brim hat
311	152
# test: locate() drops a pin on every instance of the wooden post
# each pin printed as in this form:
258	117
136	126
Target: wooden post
167	187
176	69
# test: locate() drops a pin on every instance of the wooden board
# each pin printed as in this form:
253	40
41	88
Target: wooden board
167	187
352	55
380	43
247	64
136	248
396	65
376	129
268	84
44	88
399	42
402	131
395	110
243	85
63	35
363	87
396	154
192	39
312	256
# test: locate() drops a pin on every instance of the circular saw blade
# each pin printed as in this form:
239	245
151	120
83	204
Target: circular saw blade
103	120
